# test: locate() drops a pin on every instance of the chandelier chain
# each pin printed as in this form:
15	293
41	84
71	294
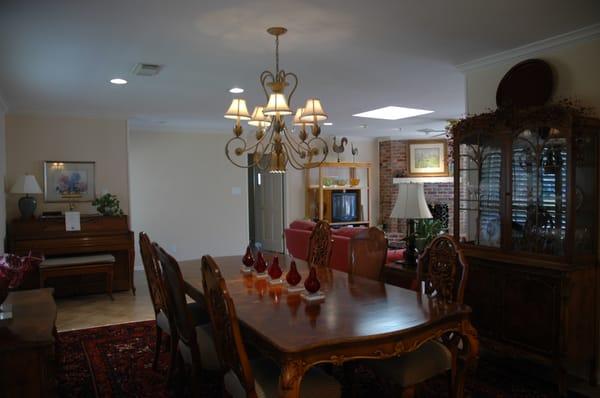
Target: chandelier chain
276	55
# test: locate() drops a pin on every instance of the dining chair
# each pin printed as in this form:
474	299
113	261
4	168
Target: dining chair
245	378
195	347
319	245
368	252
442	273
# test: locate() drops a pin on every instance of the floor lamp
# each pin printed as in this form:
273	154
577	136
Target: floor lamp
410	205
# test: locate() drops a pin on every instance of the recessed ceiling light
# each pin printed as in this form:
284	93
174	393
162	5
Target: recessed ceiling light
393	113
236	90
363	126
327	124
118	81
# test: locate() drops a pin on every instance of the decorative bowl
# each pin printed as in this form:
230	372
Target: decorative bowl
354	181
341	182
327	181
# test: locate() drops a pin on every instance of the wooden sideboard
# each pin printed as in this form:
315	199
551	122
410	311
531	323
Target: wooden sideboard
98	234
27	345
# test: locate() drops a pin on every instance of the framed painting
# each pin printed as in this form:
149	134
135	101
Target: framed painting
427	158
69	181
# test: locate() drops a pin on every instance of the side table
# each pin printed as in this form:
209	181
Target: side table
398	274
27	345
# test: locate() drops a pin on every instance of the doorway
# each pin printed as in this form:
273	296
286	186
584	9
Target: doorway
266	210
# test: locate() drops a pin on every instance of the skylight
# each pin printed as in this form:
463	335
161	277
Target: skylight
393	113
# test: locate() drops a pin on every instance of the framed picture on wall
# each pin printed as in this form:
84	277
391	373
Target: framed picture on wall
427	158
69	181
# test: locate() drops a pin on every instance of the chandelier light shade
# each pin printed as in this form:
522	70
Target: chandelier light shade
297	121
237	110
313	111
277	105
276	146
258	118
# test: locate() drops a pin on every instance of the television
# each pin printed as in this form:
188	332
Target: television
345	206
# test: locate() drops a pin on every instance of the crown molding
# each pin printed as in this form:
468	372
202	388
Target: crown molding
590	32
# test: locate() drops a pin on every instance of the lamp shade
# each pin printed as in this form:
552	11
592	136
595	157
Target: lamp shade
237	110
313	111
26	184
277	105
297	116
410	203
258	118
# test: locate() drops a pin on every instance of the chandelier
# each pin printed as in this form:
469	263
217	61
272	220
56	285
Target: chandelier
276	146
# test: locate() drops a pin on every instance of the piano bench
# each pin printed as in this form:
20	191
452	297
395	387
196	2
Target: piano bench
79	265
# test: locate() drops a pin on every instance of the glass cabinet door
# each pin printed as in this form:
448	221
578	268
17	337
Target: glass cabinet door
480	169
539	191
585	155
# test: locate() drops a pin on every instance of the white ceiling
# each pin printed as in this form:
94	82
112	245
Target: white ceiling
56	57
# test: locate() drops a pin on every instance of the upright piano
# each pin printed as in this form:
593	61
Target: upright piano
98	234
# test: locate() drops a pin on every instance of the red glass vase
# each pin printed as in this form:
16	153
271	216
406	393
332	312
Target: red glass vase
293	276
248	259
260	265
274	269
312	284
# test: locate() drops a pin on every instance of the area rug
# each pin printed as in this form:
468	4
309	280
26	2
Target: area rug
116	361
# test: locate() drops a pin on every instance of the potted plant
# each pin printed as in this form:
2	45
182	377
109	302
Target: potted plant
108	205
425	231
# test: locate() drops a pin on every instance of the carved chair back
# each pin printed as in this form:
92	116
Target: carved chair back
226	330
319	245
368	252
176	303
153	274
442	270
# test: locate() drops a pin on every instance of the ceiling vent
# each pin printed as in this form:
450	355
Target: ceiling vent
146	69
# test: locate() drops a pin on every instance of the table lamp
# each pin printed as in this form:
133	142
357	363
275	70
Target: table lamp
26	184
410	205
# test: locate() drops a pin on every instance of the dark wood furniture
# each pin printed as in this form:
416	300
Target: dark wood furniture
79	265
368	252
526	211
358	319
243	375
98	235
27	345
320	244
442	274
195	348
400	275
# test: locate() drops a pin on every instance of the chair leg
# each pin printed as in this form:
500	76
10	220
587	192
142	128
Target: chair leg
157	347
109	283
174	361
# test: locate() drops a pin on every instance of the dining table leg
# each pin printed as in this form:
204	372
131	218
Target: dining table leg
290	379
465	354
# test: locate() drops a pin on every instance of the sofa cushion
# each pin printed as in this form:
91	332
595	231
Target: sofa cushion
306	225
393	255
347	231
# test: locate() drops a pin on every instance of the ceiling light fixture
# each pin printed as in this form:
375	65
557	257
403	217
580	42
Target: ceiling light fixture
393	113
236	90
275	146
327	124
118	81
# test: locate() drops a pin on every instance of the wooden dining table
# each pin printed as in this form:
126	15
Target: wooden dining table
358	319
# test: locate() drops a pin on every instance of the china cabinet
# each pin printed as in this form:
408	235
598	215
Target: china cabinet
526	212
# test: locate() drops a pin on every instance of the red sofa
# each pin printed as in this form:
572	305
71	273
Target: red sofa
298	234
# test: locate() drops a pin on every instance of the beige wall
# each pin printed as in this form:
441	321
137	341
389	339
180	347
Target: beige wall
575	70
32	139
181	194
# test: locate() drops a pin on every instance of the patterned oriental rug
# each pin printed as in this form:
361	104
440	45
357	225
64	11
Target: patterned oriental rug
116	361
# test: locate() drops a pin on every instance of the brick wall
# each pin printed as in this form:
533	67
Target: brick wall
392	162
